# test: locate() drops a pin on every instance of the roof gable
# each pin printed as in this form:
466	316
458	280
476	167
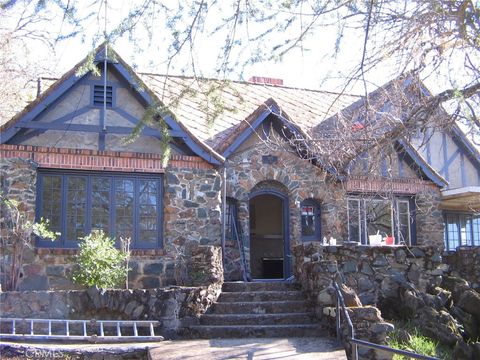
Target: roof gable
26	117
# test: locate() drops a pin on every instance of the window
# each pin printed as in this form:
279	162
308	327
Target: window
99	94
371	220
310	220
461	230
231	222
119	204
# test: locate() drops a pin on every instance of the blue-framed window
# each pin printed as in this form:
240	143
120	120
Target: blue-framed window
461	229
122	205
310	220
372	220
98	94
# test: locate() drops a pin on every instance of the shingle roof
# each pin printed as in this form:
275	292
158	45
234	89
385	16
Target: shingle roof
216	111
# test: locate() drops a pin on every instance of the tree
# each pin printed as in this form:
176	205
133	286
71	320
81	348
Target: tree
433	38
15	237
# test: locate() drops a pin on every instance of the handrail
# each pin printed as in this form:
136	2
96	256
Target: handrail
340	305
241	249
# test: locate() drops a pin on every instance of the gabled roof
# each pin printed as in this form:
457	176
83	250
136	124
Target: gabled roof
240	103
214	117
67	81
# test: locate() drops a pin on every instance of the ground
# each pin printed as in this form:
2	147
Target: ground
218	349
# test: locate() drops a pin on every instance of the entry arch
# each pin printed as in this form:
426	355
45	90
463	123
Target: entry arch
269	192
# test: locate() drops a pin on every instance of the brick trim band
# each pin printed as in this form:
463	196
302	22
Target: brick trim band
82	159
397	186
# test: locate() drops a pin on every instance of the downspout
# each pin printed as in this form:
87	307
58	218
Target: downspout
224	210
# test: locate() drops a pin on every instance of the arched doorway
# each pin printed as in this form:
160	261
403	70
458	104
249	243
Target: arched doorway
269	235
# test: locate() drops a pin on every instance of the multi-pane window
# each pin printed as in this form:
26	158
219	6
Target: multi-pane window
310	220
231	222
375	220
461	230
119	204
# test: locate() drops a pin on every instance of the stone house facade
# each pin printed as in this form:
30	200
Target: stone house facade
66	159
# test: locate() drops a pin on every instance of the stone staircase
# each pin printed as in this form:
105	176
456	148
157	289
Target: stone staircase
258	309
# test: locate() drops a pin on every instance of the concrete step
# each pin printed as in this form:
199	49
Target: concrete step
259	307
239	286
270	331
261	296
256	319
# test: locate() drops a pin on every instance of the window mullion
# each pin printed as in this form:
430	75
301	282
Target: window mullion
113	210
64	209
136	211
88	210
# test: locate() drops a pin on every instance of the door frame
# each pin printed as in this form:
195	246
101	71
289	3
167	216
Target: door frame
287	270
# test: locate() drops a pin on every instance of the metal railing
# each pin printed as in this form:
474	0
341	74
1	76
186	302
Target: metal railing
93	330
341	309
241	249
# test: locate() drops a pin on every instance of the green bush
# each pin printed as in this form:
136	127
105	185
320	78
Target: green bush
99	262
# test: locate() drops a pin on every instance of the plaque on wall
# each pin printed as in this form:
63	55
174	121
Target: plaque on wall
269	159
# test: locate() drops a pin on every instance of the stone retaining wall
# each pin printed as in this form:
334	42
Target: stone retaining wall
174	307
373	272
465	263
316	276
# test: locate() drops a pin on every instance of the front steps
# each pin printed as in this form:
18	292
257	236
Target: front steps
258	309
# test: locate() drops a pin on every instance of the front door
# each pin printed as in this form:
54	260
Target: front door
269	245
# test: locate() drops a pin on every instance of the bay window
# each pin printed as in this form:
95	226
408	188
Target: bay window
122	205
378	220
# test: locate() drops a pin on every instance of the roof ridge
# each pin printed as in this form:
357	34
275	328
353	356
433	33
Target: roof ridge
188	77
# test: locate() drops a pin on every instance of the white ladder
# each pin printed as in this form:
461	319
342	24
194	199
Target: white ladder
79	330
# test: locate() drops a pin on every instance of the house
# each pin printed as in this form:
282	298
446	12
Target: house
235	176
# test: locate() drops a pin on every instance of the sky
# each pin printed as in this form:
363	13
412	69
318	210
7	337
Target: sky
314	65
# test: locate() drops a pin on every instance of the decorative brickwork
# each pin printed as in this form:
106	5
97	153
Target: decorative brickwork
397	185
60	158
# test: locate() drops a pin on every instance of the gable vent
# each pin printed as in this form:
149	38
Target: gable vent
98	92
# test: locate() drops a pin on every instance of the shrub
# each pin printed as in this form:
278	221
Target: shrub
99	262
16	232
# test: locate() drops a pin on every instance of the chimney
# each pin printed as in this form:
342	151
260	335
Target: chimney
266	80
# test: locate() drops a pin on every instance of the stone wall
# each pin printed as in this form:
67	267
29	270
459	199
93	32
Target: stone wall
376	272
316	276
192	209
465	263
429	219
299	180
191	214
173	307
